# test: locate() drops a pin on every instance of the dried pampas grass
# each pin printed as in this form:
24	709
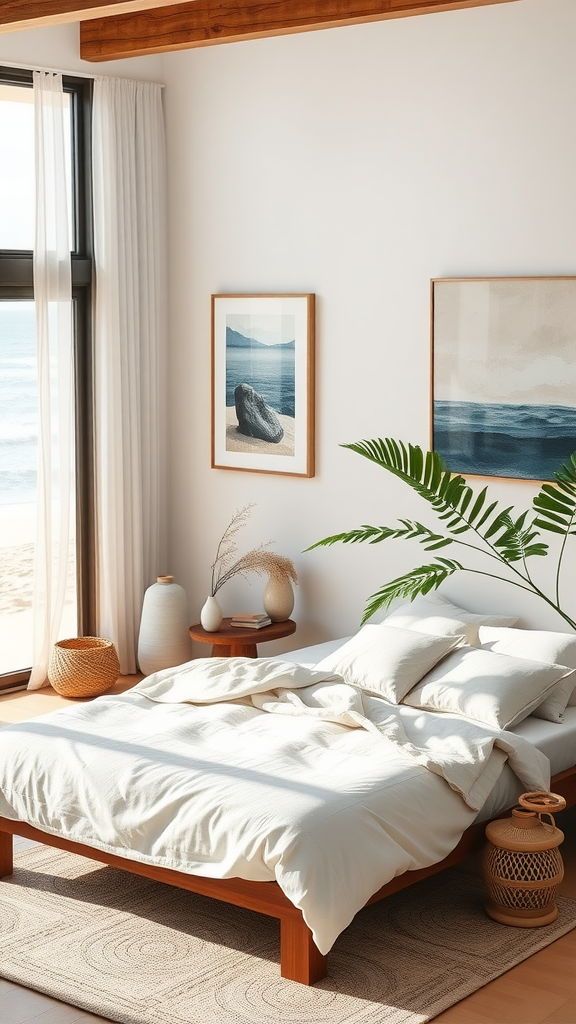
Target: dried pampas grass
259	560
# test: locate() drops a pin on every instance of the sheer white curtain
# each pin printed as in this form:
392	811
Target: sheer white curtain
130	221
53	303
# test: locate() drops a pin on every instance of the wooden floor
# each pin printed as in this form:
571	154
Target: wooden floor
541	990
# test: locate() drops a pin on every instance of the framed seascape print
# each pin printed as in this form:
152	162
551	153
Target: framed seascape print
263	383
504	375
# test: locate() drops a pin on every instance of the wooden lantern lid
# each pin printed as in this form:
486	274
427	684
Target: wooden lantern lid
524	831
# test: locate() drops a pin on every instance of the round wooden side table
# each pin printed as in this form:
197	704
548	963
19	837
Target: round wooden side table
240	642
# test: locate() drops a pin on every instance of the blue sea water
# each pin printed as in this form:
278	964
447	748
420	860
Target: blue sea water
270	371
18	403
527	442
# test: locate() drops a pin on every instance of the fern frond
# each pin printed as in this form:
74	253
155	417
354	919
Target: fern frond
555	504
371	534
515	544
418	581
504	539
450	496
374	534
412	530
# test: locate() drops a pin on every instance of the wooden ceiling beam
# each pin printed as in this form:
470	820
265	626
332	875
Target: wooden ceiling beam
208	22
23	14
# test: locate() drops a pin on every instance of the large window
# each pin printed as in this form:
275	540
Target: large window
18	397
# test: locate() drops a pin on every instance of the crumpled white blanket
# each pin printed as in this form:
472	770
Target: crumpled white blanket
260	770
467	755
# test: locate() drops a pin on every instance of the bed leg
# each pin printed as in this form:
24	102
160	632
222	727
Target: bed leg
300	958
6	854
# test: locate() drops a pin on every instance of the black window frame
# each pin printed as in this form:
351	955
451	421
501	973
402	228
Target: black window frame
17	282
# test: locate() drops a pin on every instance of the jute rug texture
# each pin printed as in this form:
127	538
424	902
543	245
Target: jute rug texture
139	952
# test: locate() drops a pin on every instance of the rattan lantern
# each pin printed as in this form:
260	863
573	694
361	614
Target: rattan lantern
522	863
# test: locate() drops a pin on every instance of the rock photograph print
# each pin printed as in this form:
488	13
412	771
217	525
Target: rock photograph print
504	375
260	382
263	383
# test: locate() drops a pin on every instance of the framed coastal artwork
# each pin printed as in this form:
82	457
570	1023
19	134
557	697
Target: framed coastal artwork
504	375
263	383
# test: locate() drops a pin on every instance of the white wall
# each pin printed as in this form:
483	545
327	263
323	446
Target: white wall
357	163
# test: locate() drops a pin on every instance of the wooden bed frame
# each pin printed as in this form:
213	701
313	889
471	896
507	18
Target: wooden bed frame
300	959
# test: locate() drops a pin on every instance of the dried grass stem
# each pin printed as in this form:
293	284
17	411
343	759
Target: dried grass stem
259	560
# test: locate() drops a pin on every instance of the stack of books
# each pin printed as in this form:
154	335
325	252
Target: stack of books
249	620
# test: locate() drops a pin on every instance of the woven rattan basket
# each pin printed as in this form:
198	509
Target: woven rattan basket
83	667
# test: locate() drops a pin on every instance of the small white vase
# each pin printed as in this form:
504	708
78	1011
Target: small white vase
278	598
211	615
163	640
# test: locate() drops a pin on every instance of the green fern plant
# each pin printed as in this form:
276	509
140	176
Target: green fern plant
470	520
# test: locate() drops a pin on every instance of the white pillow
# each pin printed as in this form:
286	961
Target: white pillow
541	645
435	625
497	690
433	613
386	661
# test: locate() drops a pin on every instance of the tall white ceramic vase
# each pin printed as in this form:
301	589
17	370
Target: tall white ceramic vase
278	599
163	640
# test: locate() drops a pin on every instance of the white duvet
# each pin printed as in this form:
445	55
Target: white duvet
262	770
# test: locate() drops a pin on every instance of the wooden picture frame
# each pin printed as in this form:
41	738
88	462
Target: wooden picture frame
263	383
503	380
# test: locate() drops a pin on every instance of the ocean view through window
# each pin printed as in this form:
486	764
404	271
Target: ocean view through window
18	474
19	404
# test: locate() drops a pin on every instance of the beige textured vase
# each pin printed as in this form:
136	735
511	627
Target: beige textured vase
163	640
278	598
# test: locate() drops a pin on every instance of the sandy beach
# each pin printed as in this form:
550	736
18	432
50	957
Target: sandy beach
17	536
17	526
236	442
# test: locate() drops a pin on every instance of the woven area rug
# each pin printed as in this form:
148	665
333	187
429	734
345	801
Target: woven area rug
140	952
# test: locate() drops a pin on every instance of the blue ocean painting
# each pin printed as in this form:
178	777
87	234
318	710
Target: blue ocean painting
269	369
526	442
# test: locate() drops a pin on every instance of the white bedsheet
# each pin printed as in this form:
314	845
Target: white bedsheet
556	740
224	788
